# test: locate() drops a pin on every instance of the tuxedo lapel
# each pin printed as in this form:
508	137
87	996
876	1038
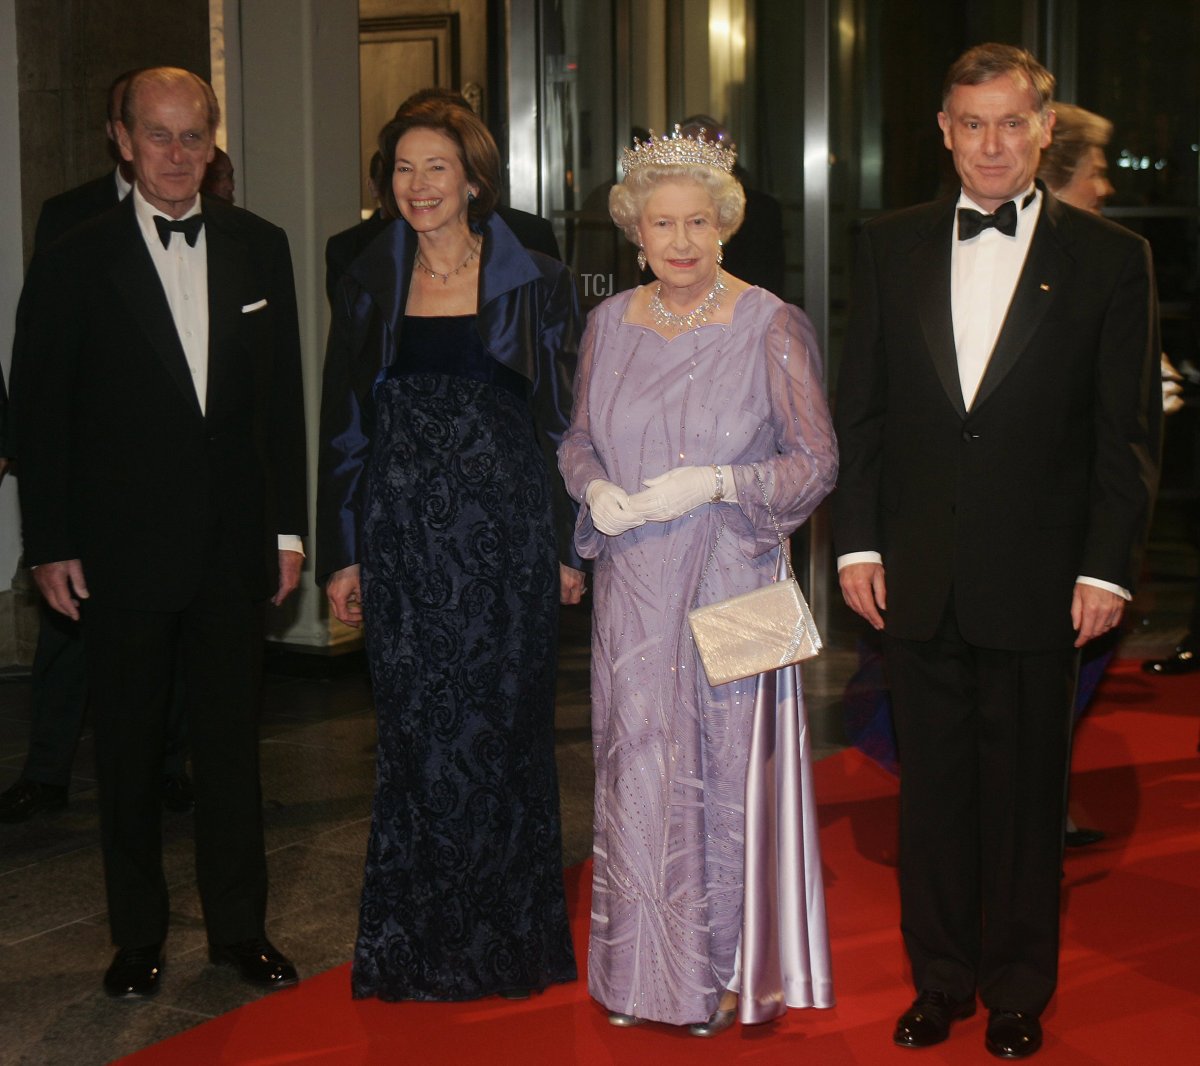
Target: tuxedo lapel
1037	288
228	265
132	272
930	261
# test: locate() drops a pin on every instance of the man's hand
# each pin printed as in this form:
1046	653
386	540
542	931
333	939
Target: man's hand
1094	611
290	564
865	591
570	584
344	590
63	585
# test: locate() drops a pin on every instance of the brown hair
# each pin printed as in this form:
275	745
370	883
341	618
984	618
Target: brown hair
476	150
987	61
1075	131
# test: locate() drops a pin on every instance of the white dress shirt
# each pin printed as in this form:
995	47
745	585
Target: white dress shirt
123	187
183	271
983	277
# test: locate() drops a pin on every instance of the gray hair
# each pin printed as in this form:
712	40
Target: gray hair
627	200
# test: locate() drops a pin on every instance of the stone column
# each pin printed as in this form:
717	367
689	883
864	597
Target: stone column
291	81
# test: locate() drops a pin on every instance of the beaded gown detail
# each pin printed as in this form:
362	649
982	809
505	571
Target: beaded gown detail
463	893
707	868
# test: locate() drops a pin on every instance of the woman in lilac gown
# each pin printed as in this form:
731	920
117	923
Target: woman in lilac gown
707	895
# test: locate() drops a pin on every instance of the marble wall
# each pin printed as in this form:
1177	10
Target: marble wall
69	51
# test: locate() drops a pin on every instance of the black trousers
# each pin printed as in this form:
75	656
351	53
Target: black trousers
59	700
216	641
984	741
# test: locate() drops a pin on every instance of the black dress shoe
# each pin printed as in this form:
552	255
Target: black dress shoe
23	800
258	961
1012	1034
177	793
1082	838
927	1021
1185	659
134	972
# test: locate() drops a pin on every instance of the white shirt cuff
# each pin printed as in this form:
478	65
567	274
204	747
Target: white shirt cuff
1125	594
858	557
289	542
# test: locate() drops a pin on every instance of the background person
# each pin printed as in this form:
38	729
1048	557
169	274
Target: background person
441	526
685	384
219	179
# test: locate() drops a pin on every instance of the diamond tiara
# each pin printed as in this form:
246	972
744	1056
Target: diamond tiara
677	150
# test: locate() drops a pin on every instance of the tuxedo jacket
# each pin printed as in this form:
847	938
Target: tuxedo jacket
1049	476
534	232
120	468
528	320
62	213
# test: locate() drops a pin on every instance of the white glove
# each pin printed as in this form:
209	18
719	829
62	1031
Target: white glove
678	491
609	504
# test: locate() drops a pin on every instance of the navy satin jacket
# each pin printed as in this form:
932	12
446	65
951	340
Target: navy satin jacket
528	319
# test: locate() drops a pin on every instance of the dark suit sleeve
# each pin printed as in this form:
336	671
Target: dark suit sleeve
4	447
334	269
46	351
286	415
558	354
860	408
345	439
1128	426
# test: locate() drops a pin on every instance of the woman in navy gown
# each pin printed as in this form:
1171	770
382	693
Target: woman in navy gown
441	525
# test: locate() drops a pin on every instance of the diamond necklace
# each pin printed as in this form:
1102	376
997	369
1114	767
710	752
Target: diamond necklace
446	277
695	317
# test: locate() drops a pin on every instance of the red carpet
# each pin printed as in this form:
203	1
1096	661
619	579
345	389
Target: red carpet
1129	991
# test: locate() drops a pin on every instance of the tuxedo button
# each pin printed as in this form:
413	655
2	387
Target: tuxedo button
968	436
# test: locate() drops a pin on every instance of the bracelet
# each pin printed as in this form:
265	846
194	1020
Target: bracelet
719	491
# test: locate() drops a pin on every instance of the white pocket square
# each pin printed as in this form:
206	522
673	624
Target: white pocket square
257	305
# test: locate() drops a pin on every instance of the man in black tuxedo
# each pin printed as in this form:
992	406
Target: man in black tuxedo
999	418
59	685
160	427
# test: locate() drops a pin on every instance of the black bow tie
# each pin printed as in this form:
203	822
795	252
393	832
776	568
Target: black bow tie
189	227
971	223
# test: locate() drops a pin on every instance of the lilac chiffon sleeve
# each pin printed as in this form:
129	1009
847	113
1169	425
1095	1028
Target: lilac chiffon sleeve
578	460
804	469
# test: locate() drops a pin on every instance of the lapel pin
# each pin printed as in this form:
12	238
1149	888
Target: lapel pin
1044	287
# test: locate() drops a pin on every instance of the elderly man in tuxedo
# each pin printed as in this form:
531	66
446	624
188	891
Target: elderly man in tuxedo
158	406
999	418
59	676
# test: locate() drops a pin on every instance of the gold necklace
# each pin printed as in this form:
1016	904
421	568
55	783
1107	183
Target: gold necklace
446	277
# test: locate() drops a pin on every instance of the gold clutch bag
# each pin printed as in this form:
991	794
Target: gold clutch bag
757	631
765	629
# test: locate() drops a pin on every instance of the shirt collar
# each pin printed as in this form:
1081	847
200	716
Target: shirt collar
146	211
1030	197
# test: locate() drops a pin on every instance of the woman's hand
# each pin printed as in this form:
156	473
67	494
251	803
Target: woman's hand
570	584
344	589
610	508
677	492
